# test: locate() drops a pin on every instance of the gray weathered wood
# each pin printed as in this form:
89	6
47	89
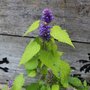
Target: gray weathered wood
9	47
17	15
73	15
13	47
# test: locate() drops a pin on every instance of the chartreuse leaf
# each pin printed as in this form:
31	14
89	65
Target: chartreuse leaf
48	87
32	73
55	87
75	82
65	72
33	27
44	70
31	50
43	88
49	60
59	68
60	35
32	64
85	85
33	86
18	82
51	45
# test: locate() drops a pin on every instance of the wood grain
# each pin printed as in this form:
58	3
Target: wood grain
13	47
17	15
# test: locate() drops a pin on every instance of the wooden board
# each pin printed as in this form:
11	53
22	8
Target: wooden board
17	15
13	47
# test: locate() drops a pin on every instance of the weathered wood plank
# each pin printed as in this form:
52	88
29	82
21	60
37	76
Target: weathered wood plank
17	15
73	15
13	47
10	50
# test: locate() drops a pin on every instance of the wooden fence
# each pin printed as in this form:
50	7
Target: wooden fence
17	15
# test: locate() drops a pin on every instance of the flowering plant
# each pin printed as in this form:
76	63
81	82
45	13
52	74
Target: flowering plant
41	58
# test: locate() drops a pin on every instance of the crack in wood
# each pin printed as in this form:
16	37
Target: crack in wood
34	37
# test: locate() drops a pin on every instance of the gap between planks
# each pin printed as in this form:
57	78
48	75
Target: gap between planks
76	41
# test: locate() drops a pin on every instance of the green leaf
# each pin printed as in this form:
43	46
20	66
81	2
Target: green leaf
18	82
61	35
86	87
32	64
33	86
75	82
31	50
33	27
51	45
55	87
44	70
32	73
65	73
49	60
85	83
60	68
43	88
48	87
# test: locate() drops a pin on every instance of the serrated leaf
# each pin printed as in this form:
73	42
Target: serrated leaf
33	27
32	64
55	87
60	68
60	35
18	82
31	50
49	60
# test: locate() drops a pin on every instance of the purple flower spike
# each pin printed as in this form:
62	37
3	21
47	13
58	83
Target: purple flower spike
44	29
47	15
10	83
44	32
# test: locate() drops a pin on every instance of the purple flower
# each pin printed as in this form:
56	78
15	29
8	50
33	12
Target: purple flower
44	31
10	83
47	15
